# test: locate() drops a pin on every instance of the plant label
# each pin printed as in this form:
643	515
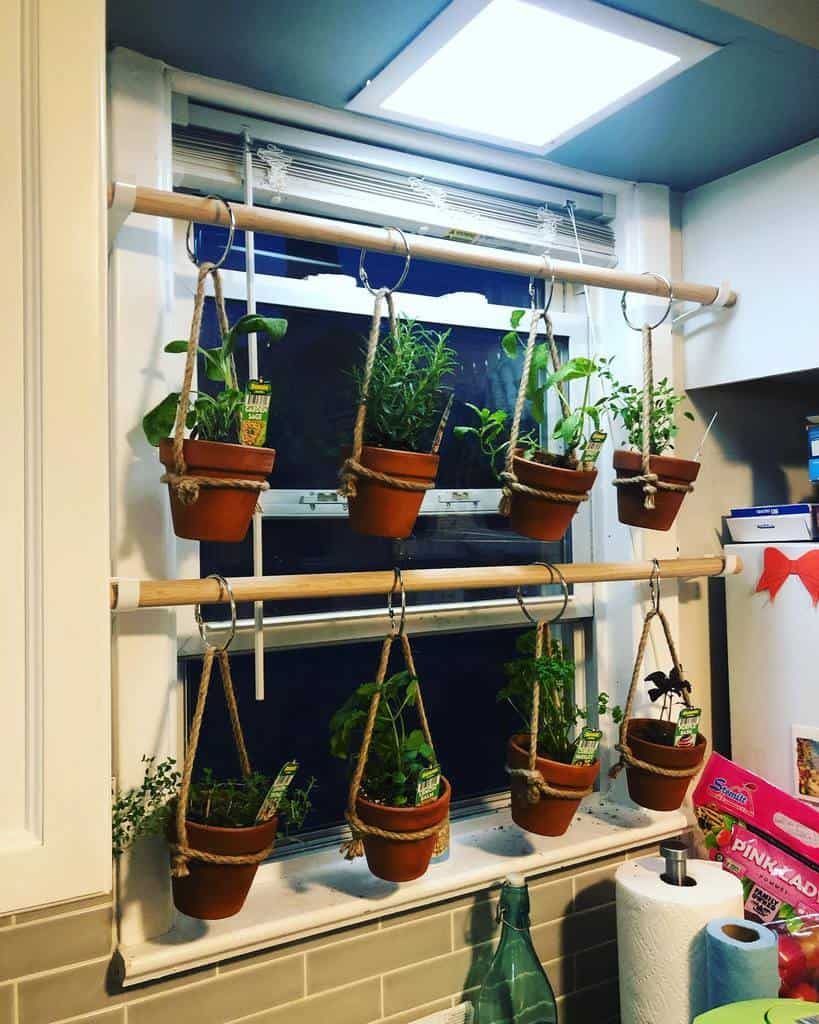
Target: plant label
588	743
688	725
429	784
271	802
254	413
592	451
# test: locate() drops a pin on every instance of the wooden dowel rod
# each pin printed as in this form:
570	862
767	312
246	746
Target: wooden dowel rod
160	203
168	593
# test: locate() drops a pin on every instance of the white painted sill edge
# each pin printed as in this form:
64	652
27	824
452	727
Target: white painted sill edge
311	893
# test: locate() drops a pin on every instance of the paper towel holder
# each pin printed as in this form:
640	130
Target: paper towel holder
675	853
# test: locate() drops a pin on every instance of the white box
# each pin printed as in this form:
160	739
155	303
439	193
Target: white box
774	526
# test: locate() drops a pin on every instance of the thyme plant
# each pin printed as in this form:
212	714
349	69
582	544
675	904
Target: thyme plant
406	392
397	754
148	808
559	713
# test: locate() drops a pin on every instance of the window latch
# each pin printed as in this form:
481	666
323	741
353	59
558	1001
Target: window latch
452	498
314	498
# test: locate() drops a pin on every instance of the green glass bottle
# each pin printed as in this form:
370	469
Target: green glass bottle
515	989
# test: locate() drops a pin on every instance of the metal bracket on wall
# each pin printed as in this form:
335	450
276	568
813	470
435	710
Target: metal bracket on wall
120	208
720	301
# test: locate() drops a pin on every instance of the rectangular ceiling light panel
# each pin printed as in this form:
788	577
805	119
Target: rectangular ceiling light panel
526	74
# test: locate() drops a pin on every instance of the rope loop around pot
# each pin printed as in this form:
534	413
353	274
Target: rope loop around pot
187	486
627	756
354	847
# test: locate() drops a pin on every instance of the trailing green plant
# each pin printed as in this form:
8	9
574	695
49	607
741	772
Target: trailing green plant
492	433
212	417
397	754
575	424
559	713
626	404
405	399
227	803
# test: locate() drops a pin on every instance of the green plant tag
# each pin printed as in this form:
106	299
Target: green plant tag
588	743
271	802
254	413
429	783
596	441
688	725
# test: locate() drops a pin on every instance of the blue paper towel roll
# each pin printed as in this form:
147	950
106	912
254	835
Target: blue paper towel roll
742	961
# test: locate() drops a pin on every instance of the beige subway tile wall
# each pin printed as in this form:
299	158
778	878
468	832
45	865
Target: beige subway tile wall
55	964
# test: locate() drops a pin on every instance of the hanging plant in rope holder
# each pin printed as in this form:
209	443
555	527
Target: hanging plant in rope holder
540	499
398	841
651	486
385	484
658	773
215	476
213	867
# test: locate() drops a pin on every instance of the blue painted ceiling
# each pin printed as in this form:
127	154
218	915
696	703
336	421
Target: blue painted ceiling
757	96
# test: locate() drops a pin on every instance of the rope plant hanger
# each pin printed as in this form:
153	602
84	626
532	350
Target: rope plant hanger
650	482
181	850
354	847
627	756
352	468
186	486
536	786
511	484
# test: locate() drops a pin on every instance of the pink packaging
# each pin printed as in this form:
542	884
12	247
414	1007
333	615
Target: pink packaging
770	841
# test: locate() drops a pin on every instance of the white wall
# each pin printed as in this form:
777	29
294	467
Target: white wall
758	229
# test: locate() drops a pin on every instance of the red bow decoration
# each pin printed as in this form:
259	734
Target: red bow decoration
777	567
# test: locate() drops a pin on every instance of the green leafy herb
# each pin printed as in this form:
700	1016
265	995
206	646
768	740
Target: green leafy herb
492	433
406	393
397	754
228	803
559	713
212	418
626	403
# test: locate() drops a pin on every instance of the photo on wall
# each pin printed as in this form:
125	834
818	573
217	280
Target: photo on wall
805	750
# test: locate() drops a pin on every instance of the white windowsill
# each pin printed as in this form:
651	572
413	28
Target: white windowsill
313	892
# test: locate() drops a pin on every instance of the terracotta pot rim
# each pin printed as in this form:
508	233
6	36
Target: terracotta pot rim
701	741
229	829
665	465
444	796
399	451
218	445
514	742
561	470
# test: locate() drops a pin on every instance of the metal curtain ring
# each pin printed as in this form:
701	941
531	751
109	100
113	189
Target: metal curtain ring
202	625
532	290
654	585
664	317
362	272
553	571
231	232
397	581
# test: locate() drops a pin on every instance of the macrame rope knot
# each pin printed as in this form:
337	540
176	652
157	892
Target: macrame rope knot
537	786
351	469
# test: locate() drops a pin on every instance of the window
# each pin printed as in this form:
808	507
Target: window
319	652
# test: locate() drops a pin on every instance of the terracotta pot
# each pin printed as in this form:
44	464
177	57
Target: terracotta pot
541	519
550	816
380	511
391	859
630	508
213	891
221	515
659	792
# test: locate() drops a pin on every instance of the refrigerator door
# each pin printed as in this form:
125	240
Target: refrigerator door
773	664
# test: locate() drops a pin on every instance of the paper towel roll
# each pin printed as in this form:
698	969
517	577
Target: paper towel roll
661	938
742	961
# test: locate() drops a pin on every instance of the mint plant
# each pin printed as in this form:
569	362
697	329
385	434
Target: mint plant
559	713
492	433
212	418
397	754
